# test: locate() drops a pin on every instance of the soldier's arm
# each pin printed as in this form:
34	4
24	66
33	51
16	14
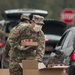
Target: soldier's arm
7	48
13	36
41	47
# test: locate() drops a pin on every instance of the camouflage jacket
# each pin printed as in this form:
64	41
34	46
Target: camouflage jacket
23	32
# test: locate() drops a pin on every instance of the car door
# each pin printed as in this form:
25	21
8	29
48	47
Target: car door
65	45
65	42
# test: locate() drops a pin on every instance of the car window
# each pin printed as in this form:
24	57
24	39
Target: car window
66	39
62	39
70	42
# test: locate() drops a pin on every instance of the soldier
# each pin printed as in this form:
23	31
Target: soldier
18	52
23	20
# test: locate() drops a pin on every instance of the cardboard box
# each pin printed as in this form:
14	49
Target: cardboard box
30	67
29	44
4	72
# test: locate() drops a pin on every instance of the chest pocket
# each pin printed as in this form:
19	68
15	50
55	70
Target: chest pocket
29	35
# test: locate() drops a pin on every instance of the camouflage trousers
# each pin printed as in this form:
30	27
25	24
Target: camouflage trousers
15	68
15	58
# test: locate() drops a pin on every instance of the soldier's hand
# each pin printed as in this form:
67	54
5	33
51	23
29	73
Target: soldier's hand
23	47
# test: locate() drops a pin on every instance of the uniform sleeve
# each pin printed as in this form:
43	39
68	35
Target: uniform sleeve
41	47
13	36
7	48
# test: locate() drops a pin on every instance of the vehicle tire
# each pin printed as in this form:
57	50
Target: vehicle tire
71	70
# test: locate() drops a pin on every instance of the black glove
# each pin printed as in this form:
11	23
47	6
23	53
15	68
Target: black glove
58	52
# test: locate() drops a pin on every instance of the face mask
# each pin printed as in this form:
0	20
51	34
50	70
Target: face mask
37	28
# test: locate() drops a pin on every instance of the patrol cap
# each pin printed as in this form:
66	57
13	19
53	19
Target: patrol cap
38	19
25	16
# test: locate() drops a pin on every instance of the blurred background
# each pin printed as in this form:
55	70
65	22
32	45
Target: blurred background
54	7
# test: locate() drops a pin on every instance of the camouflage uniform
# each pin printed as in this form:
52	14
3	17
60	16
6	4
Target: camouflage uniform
7	46
33	53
